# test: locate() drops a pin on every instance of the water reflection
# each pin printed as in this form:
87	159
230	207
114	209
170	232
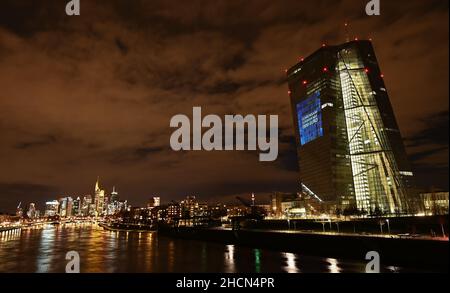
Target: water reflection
333	266
257	253
46	246
291	263
43	250
171	256
229	259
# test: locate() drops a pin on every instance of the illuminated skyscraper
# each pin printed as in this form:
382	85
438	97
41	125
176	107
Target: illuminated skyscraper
31	213
350	150
114	195
99	198
51	208
87	204
63	207
69	209
76	207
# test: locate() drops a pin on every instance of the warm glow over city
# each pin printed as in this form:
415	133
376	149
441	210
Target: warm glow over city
219	145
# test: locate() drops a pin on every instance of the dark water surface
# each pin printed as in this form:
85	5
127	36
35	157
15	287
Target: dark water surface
43	250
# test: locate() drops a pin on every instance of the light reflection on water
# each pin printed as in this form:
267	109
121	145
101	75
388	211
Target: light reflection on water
333	266
43	249
291	263
229	259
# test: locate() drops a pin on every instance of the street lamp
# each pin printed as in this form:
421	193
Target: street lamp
389	227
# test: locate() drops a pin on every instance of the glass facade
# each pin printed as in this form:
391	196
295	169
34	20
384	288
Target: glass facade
376	176
338	95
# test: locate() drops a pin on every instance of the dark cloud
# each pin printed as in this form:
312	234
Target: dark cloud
25	193
43	141
435	132
93	95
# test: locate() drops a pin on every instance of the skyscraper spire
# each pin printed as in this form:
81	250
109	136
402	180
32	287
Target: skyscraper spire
97	184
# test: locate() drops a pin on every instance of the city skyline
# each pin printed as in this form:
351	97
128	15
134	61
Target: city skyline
59	132
100	192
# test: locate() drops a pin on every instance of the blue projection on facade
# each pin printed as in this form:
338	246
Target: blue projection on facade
309	117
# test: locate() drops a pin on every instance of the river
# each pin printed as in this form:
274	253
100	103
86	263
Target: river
43	250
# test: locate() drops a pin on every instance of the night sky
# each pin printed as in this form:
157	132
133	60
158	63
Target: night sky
93	95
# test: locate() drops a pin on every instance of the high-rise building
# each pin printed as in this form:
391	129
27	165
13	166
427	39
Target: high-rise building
69	209
99	198
51	208
31	213
62	207
350	150
76	207
114	195
86	205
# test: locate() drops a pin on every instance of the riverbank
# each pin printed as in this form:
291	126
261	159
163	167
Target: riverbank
428	254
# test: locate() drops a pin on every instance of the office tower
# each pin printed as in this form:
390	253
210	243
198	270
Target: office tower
114	195
31	213
99	198
350	150
76	207
63	207
69	209
51	208
86	203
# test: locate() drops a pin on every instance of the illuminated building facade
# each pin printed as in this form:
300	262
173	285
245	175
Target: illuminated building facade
77	207
51	208
114	195
154	202
189	206
173	211
350	150
435	203
32	213
99	199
